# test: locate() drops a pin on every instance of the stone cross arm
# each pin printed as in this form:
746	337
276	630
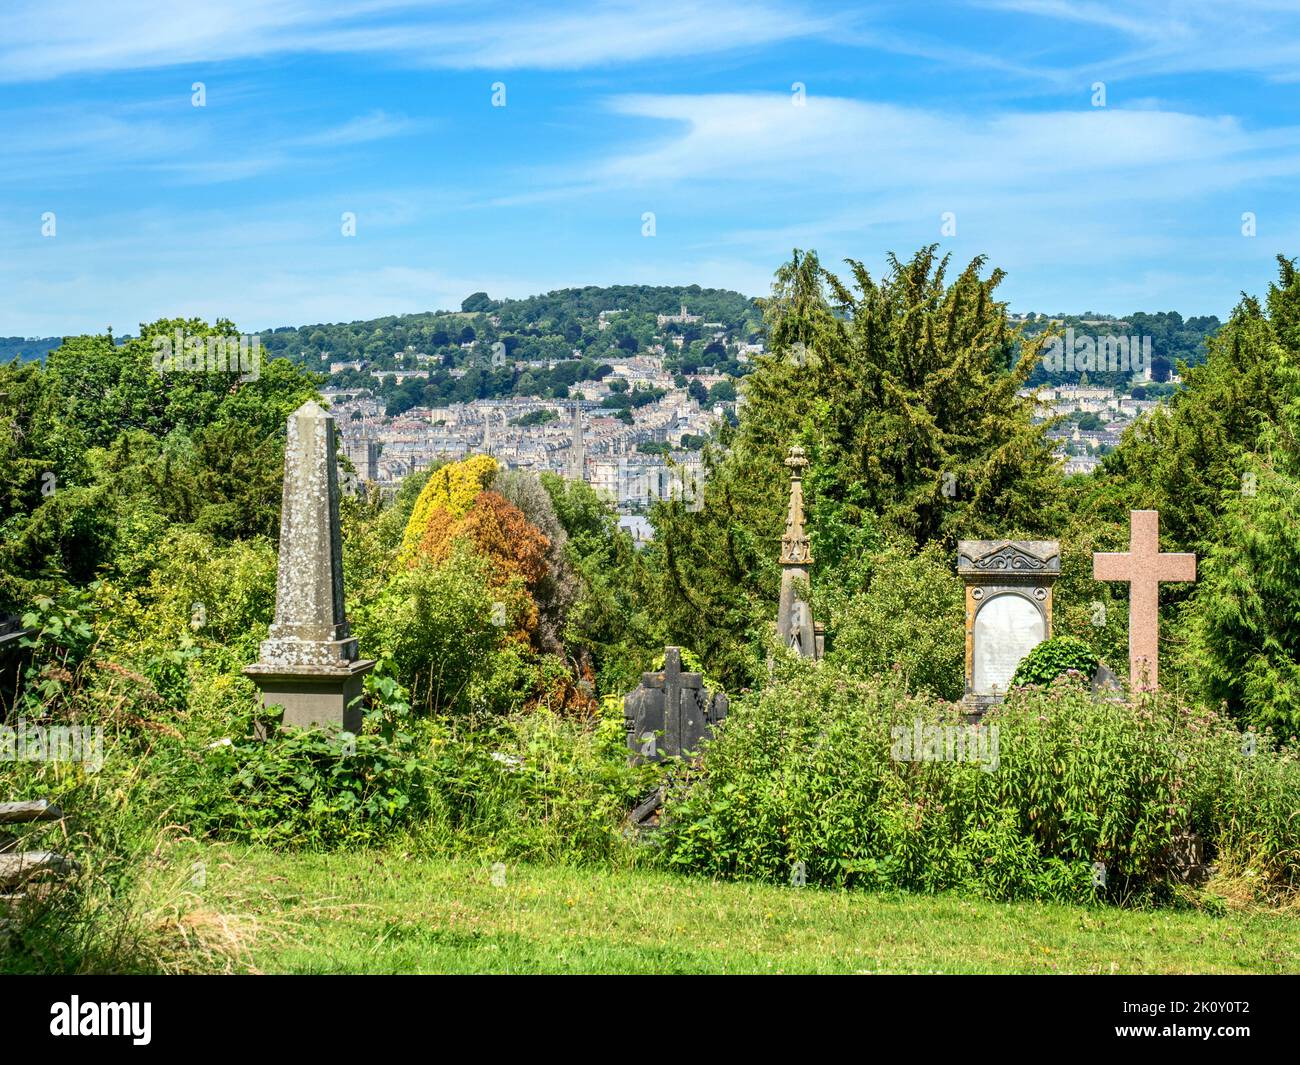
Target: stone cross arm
1143	561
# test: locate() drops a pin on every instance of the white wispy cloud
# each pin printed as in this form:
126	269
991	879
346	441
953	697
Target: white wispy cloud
44	39
1163	37
1088	192
766	138
41	39
67	143
364	129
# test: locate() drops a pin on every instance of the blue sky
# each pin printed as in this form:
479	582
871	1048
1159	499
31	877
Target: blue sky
383	108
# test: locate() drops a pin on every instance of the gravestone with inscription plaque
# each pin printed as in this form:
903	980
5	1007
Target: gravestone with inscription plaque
1008	609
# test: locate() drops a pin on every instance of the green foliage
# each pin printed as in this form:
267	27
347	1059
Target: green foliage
531	786
105	452
218	593
1234	421
906	617
313	788
610	627
1173	340
536	787
1244	621
810	771
149	573
95	920
904	392
1188	458
59	637
537	417
1053	658
478	301
691	663
435	622
907	386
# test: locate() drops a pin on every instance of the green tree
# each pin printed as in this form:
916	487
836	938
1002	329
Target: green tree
1243	622
904	391
1189	456
723	392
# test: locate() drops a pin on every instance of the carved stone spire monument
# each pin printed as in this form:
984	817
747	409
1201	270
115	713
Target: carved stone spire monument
309	662
794	621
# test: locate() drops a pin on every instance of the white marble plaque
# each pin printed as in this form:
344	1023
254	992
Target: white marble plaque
1007	627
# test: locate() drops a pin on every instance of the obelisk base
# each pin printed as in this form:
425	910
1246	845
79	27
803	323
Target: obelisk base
313	697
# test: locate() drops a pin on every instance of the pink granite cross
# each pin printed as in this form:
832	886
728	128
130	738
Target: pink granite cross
1145	568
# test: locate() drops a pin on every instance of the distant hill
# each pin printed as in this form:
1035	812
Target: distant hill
594	324
546	326
737	313
472	353
1173	339
27	349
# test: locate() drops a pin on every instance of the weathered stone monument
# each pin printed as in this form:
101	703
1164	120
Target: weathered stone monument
671	712
1145	568
1008	609
795	627
309	663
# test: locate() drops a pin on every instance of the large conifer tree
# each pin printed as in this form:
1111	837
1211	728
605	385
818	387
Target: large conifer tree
904	391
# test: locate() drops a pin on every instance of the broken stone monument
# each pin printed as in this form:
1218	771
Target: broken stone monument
671	712
1145	568
1008	610
309	662
795	627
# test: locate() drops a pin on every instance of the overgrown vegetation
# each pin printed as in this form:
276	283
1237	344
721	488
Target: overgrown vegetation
509	613
818	774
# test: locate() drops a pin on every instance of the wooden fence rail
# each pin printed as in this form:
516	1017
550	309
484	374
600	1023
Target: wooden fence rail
18	866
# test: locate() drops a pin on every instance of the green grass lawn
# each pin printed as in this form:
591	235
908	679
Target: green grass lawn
387	913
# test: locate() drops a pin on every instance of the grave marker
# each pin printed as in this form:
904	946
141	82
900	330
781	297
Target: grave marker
1008	609
671	712
1145	569
309	662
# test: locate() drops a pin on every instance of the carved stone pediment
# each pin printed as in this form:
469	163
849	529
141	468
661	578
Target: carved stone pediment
1009	558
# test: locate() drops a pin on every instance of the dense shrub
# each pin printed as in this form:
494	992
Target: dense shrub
313	788
1051	658
537	787
532	785
440	626
1243	622
909	616
812	774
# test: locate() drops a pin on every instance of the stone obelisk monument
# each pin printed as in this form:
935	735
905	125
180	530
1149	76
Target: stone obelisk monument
309	663
794	621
